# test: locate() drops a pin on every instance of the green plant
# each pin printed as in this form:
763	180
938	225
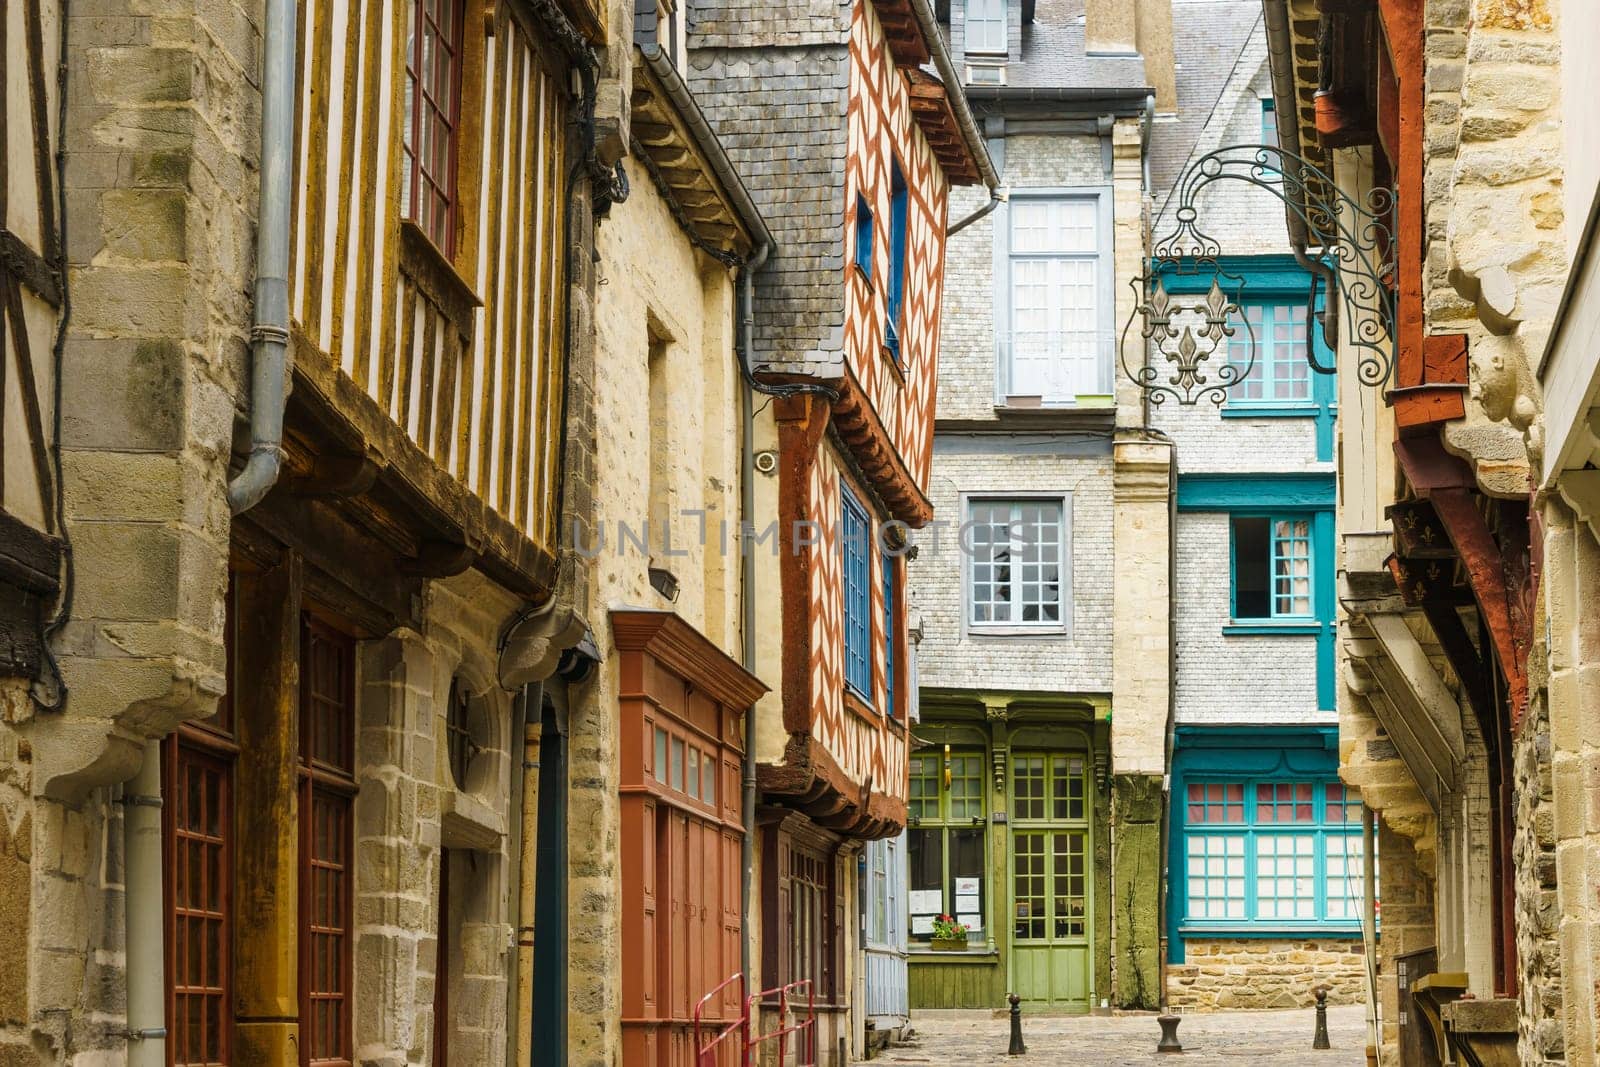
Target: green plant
945	928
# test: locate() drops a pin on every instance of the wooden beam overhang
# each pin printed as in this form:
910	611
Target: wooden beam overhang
810	781
902	32
667	146
343	455
1416	690
1497	562
933	113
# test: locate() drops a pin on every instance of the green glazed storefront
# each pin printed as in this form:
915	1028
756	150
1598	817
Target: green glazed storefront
1008	832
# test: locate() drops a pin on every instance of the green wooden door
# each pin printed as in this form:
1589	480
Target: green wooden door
1052	935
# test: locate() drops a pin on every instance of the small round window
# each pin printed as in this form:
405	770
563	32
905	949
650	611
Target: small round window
458	733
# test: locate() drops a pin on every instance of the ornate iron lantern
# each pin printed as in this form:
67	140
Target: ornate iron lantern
1197	345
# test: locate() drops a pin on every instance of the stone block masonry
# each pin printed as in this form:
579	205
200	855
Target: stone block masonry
1230	973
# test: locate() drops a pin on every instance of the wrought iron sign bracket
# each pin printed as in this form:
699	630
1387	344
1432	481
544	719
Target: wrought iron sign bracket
1189	346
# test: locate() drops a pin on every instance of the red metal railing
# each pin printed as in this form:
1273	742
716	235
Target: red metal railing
706	1054
805	1046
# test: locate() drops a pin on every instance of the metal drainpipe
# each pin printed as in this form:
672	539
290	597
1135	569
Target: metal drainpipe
269	336
1369	926
144	913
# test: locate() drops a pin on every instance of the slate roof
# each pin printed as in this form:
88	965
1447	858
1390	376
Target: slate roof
1053	54
1208	37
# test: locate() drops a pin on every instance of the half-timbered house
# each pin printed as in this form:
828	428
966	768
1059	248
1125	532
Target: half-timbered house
850	148
288	387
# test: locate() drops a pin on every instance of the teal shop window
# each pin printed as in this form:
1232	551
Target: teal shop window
945	854
897	257
1271	853
1281	374
863	257
1272	567
853	534
1269	122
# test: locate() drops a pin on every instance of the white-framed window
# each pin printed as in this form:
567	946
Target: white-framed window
1056	305
1018	565
986	27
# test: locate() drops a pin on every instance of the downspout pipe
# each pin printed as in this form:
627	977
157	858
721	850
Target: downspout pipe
144	913
269	335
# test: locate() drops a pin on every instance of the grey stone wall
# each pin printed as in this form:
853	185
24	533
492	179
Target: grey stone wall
773	81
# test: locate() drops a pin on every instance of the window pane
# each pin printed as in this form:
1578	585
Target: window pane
966	873
924	802
661	755
1345	889
1215	876
708	779
1028	885
924	876
1216	802
677	763
1343	806
1017	561
1284	802
853	537
1027	786
1251	567
693	788
986	26
966	788
1285	877
1069	878
1291	567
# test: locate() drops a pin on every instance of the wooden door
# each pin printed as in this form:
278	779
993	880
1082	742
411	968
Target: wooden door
1051	879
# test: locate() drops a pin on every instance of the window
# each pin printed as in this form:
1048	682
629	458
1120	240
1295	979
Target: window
1269	122
986	26
1050	861
1056	349
812	930
891	631
945	844
897	257
883	899
327	873
1281	374
853	534
689	769
1017	551
1271	852
433	115
672	30
197	767
458	733
1271	567
864	237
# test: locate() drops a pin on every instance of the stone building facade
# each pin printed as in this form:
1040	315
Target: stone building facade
850	149
1463	543
264	795
1020	775
1262	896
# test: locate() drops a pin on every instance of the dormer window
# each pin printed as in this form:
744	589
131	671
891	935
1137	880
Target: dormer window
986	27
672	30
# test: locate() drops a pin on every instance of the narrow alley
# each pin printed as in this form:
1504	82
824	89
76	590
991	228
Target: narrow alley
1260	1038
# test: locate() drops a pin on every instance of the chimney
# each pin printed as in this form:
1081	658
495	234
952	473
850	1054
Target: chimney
1136	27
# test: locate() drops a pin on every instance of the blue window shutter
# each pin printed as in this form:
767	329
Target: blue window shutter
897	257
889	630
864	236
854	531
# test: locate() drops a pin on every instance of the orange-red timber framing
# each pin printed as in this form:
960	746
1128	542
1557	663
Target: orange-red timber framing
869	436
1455	547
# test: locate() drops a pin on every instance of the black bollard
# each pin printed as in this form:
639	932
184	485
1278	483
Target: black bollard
1017	1047
1169	1033
1320	1039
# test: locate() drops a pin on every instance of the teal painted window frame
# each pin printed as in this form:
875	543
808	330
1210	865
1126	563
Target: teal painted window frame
1273	617
1299	494
1277	281
854	534
1244	755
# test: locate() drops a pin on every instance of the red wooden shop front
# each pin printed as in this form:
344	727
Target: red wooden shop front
682	702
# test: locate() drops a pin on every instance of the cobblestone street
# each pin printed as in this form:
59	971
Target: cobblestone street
1258	1038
